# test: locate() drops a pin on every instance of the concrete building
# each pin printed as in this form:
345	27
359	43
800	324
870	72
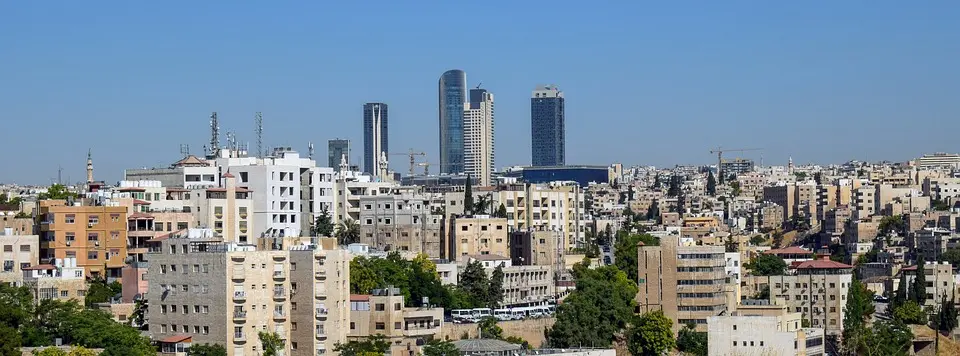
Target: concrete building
539	248
19	252
337	150
545	207
383	312
749	331
939	160
818	290
375	138
225	293
95	236
291	191
350	188
688	283
522	285
941	188
478	235
190	172
400	220
939	277
478	142
63	280
736	166
548	142
452	89
228	211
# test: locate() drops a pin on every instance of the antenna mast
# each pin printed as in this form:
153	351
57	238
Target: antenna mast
213	150
258	128
184	149
310	149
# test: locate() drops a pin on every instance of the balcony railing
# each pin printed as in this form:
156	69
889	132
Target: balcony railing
279	294
239	295
279	275
322	312
239	336
239	315
321	334
279	315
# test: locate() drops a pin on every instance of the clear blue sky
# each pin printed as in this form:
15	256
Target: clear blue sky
822	81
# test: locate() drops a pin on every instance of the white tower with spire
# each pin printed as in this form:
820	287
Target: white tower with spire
89	166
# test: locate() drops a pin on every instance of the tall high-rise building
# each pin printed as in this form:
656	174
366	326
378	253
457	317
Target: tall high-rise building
547	126
453	96
374	136
336	150
478	158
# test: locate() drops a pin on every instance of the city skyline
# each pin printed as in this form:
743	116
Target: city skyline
790	78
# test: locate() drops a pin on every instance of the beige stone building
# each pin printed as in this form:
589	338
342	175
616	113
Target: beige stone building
522	285
400	221
226	293
19	252
384	312
478	235
689	283
96	236
541	248
554	207
760	328
64	281
939	277
20	226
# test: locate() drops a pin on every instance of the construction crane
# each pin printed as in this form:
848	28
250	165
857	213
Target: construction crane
426	167
413	158
720	150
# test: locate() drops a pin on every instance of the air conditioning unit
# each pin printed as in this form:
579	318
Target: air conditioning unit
69	243
96	243
89	224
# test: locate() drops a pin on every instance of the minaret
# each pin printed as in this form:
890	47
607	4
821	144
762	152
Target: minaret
89	166
790	165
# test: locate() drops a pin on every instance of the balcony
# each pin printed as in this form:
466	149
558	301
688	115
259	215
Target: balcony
239	315
239	337
279	294
321	275
237	257
321	313
279	275
279	257
321	334
279	315
239	295
321	295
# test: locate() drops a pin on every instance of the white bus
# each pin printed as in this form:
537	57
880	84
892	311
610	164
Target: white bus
503	314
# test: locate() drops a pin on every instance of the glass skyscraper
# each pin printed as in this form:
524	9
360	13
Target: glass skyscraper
374	136
453	95
337	149
546	125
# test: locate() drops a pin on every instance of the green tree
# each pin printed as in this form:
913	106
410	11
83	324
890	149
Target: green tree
951	255
371	346
918	289
692	342
600	307
886	338
99	291
653	212
674	189
489	329
891	224
495	291
730	245
910	313
859	307
475	282
50	351
947	316
56	192
9	341
625	251
348	232
651	335
735	185
711	184
757	240
323	226
468	197
501	212
271	343
138	317
207	350
777	239
481	206
763	294
516	340
766	265
437	347
363	278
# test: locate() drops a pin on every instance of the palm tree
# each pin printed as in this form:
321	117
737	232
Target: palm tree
348	232
480	207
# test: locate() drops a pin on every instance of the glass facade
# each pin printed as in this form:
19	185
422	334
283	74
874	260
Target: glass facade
453	95
336	150
547	127
374	135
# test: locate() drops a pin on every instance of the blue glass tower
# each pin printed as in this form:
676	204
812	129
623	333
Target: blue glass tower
547	136
375	138
453	95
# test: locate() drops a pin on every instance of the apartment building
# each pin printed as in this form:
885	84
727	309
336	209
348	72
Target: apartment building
190	172
96	236
939	277
19	252
795	198
771	215
400	221
20	226
383	312
538	248
751	184
477	235
63	280
478	137
522	285
553	207
817	289
350	188
941	188
760	328
689	283
292	191
229	211
226	293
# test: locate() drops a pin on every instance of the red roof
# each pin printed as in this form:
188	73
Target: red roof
140	202
40	267
792	250
135	216
177	338
164	236
911	268
359	298
132	189
823	264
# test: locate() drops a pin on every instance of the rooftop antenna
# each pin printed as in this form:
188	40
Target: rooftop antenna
258	128
478	85
214	147
310	150
184	149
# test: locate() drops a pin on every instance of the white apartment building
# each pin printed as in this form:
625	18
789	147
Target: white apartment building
292	191
770	332
350	188
190	172
478	144
19	252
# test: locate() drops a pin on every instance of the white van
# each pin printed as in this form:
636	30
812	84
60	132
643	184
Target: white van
480	313
502	314
461	315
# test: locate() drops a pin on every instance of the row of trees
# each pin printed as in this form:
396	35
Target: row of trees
25	322
417	279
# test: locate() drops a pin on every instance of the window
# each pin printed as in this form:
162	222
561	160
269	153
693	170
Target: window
396	326
93	236
24	248
63	294
93	220
396	306
380	307
71	236
92	255
69	218
353	325
205	309
381	326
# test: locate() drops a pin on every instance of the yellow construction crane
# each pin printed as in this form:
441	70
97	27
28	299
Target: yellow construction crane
426	167
720	150
412	154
